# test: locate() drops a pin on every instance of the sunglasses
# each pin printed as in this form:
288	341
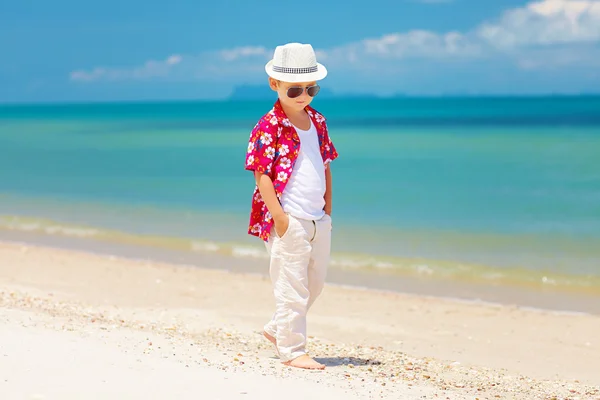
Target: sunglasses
296	91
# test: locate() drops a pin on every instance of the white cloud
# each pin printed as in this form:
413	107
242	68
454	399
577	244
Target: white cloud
420	43
547	33
548	22
150	69
561	58
240	52
208	65
174	59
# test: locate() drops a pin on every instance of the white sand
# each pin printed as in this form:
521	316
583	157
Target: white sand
39	362
44	359
81	326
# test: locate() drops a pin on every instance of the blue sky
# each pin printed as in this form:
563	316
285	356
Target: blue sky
68	50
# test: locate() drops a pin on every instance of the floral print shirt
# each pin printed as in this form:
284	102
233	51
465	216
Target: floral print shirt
273	148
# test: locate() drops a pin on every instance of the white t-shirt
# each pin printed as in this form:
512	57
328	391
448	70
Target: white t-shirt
304	193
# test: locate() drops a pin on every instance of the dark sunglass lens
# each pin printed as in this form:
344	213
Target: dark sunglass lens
294	92
313	90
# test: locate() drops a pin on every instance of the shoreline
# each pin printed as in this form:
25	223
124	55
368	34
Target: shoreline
375	344
383	280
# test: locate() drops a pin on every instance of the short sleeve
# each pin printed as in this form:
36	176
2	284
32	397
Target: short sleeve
330	150
261	147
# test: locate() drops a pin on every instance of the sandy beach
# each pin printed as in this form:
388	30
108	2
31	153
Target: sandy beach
76	325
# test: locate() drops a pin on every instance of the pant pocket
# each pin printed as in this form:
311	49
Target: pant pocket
287	231
328	220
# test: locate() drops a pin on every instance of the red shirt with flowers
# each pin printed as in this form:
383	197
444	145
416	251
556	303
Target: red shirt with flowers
273	148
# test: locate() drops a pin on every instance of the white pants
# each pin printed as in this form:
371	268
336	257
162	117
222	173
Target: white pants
298	267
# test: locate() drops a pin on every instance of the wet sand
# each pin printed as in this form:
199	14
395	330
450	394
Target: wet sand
547	298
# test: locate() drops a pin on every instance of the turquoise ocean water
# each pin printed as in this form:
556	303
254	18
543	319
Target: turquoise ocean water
482	189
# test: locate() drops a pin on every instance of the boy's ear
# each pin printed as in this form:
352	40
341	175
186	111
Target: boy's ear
273	83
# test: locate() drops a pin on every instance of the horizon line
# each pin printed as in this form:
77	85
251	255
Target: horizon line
233	99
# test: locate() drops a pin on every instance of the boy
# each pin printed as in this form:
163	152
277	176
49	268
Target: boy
289	152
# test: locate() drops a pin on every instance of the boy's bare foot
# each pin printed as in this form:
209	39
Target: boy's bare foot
305	362
272	340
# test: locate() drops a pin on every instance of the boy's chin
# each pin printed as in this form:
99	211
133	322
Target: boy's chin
295	105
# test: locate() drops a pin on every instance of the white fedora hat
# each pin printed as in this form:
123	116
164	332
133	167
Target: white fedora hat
295	62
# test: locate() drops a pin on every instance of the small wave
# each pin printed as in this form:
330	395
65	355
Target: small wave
247	251
421	268
424	269
14	223
208	247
